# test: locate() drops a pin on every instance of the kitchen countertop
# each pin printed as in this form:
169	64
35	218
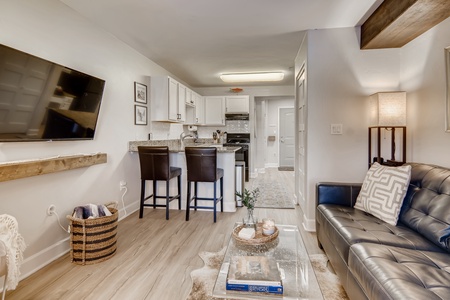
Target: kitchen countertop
175	146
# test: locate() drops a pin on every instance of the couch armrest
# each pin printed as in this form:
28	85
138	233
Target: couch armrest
337	193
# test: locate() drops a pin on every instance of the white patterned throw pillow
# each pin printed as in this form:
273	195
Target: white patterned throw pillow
383	191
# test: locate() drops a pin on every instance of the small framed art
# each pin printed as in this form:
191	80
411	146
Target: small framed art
140	115
140	93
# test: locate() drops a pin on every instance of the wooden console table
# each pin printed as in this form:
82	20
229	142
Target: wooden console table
34	167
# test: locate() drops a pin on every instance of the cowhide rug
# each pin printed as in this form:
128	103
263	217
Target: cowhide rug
203	279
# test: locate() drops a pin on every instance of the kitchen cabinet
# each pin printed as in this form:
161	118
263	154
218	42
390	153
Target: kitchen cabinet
199	109
190	97
195	110
215	110
168	99
237	104
181	102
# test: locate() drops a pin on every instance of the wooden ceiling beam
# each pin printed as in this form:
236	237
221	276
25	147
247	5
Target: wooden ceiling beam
397	22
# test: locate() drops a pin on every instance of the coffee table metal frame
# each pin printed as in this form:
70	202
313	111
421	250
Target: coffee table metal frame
289	251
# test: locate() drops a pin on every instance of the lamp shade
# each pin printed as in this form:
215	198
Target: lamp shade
388	109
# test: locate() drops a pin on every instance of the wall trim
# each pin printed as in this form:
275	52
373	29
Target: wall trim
309	224
34	263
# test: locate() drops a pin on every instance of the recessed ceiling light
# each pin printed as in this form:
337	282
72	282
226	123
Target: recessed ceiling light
252	77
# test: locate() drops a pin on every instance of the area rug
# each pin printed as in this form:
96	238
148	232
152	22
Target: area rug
203	279
273	191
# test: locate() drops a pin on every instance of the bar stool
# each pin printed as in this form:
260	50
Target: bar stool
155	166
202	167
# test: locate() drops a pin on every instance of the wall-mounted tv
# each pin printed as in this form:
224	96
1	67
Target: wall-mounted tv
44	101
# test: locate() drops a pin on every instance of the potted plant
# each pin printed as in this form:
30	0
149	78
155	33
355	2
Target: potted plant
249	199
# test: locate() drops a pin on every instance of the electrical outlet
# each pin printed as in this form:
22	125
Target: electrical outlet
122	184
51	210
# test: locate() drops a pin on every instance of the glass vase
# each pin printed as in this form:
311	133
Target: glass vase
249	220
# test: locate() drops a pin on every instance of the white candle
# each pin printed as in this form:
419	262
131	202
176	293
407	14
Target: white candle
268	226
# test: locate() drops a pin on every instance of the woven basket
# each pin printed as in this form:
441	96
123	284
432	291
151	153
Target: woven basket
93	240
259	238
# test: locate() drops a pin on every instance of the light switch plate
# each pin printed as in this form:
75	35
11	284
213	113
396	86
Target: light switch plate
336	128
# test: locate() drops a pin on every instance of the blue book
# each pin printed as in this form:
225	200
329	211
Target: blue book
254	274
255	288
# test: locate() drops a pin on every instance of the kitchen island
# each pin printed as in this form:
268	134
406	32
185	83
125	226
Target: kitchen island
225	161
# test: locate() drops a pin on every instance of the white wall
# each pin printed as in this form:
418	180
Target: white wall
51	30
340	77
423	78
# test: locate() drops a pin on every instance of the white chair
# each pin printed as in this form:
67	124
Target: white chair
12	246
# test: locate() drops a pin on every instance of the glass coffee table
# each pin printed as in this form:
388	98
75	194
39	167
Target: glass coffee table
288	249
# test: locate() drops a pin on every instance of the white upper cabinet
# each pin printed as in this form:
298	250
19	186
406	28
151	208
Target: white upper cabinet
237	104
168	99
214	110
199	109
181	102
190	97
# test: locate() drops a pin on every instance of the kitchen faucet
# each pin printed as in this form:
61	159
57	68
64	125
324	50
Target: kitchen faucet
184	135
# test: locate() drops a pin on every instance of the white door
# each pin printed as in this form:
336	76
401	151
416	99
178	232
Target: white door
23	79
287	137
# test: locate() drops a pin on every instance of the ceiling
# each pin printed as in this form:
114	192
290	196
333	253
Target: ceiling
197	40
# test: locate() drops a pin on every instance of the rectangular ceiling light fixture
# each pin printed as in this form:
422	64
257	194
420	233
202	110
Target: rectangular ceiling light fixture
252	77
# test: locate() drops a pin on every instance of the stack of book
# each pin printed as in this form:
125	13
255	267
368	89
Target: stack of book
254	274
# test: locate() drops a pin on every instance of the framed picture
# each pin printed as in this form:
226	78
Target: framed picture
140	93
140	115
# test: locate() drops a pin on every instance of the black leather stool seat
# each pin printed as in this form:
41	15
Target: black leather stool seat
155	166
201	165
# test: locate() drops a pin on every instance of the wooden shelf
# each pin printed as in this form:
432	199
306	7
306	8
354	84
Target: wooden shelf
22	169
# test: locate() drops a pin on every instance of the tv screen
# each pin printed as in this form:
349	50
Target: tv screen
41	100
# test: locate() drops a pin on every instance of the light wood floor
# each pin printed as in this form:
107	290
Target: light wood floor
154	257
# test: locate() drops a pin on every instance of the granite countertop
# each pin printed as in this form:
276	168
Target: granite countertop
175	145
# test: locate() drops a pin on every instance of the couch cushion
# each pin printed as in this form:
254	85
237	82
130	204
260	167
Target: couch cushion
386	272
426	207
383	191
346	226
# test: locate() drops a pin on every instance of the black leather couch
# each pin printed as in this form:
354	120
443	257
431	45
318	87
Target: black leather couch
376	260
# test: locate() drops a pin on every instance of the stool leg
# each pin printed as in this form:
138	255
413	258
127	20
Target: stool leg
179	192
154	193
188	200
221	194
215	200
195	195
141	208
167	199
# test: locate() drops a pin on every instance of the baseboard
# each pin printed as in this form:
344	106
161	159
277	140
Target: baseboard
39	260
309	224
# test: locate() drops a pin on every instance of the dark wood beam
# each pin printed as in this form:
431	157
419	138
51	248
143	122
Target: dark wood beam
397	22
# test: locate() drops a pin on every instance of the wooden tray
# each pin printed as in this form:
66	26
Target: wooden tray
259	238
